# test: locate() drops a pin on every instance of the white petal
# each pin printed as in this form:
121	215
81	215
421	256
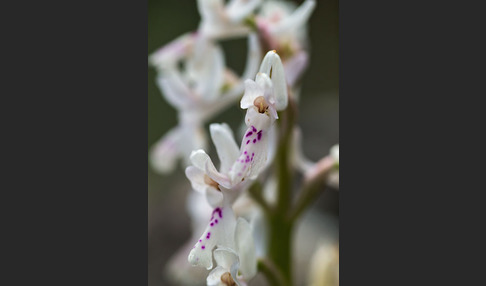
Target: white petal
246	249
211	10
272	66
226	257
169	54
175	90
202	161
199	158
252	91
219	232
225	144
253	57
257	119
239	9
192	138
214	277
207	67
221	179
164	153
297	19
253	154
196	177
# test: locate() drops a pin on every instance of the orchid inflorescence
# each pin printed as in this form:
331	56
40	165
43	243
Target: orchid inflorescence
237	205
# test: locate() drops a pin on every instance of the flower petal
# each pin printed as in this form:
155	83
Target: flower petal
246	249
253	153
220	231
206	68
225	144
169	54
272	66
196	177
253	57
252	91
239	9
214	277
226	257
296	20
199	158
174	90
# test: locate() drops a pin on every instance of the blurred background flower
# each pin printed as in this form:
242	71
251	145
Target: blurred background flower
169	223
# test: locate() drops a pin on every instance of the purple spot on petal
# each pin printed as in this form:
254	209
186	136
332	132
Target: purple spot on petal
253	128
249	134
200	240
203	247
254	140
247	142
212	224
259	134
245	152
216	221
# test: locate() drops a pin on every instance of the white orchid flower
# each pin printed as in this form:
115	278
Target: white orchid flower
283	28
232	262
220	21
326	165
262	99
225	232
199	91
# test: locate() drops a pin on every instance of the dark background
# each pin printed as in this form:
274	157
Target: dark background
318	118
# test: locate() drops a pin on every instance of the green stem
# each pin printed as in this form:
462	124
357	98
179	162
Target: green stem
280	227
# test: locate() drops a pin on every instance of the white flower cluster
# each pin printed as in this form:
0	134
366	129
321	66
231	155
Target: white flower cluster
194	79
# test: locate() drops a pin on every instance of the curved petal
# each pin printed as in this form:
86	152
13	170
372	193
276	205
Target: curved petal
253	57
225	144
196	177
226	257
246	249
272	66
174	90
199	158
214	277
297	19
220	178
252	91
202	161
